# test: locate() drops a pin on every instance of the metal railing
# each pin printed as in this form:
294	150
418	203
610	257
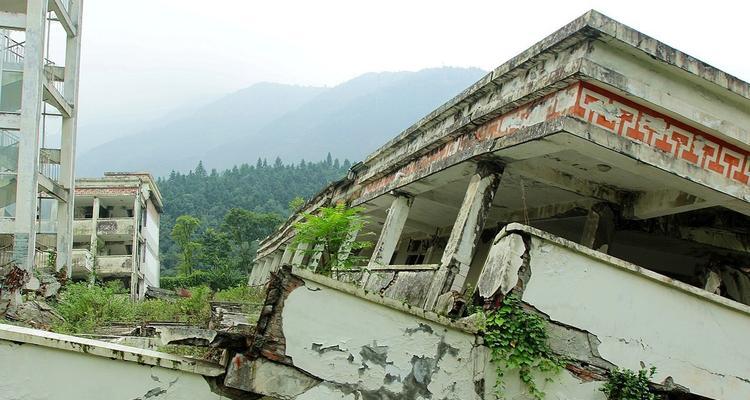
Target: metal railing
9	138
48	165
6	255
49	73
12	51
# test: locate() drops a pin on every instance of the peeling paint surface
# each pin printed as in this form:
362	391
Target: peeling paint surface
640	320
380	353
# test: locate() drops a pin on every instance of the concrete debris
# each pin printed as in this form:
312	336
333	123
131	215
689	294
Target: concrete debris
158	293
35	313
32	285
231	317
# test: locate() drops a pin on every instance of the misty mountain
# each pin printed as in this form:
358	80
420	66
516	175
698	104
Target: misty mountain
292	122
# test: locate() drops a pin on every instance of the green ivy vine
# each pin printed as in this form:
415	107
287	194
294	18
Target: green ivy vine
626	384
517	339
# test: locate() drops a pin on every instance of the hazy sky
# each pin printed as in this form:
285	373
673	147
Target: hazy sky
143	58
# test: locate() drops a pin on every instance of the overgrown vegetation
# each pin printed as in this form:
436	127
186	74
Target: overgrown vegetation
517	339
267	190
330	232
626	384
87	308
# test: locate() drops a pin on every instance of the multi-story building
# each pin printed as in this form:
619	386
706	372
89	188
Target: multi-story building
116	229
39	61
599	177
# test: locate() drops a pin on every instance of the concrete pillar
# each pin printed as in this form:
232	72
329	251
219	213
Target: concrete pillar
599	228
93	248
135	257
317	253
275	263
299	255
459	250
346	249
24	240
286	257
68	142
392	228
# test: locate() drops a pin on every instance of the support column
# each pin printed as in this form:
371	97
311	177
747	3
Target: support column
459	251
299	255
392	228
317	253
346	249
599	228
24	240
274	264
135	254
93	241
286	257
68	143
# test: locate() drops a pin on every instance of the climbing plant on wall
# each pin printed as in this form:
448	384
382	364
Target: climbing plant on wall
517	339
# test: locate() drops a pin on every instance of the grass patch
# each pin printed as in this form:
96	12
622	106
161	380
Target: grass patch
86	308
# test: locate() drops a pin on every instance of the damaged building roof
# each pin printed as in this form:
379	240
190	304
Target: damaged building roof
600	175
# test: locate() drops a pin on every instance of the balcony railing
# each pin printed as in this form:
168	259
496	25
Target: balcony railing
12	52
8	150
117	266
49	163
104	227
6	255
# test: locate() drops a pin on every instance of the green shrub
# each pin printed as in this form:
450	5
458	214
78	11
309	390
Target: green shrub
625	384
197	278
241	293
216	279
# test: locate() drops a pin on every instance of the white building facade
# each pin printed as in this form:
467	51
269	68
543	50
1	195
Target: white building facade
116	230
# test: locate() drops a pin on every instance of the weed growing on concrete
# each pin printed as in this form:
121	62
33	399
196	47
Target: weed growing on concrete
517	340
626	384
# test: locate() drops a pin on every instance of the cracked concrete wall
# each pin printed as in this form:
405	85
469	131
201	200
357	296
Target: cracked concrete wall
357	346
361	349
41	373
701	344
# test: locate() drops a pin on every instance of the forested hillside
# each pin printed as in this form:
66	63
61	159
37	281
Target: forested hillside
235	206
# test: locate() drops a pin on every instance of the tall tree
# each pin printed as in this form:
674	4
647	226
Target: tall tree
182	233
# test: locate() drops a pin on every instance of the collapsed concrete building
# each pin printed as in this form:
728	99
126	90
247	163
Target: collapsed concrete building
601	175
116	230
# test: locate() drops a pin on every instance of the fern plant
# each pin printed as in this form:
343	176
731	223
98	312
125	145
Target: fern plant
329	232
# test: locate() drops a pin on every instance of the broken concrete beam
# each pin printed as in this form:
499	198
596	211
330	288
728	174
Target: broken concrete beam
504	260
193	336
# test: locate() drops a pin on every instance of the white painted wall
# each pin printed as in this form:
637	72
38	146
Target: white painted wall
42	373
701	343
334	345
151	266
